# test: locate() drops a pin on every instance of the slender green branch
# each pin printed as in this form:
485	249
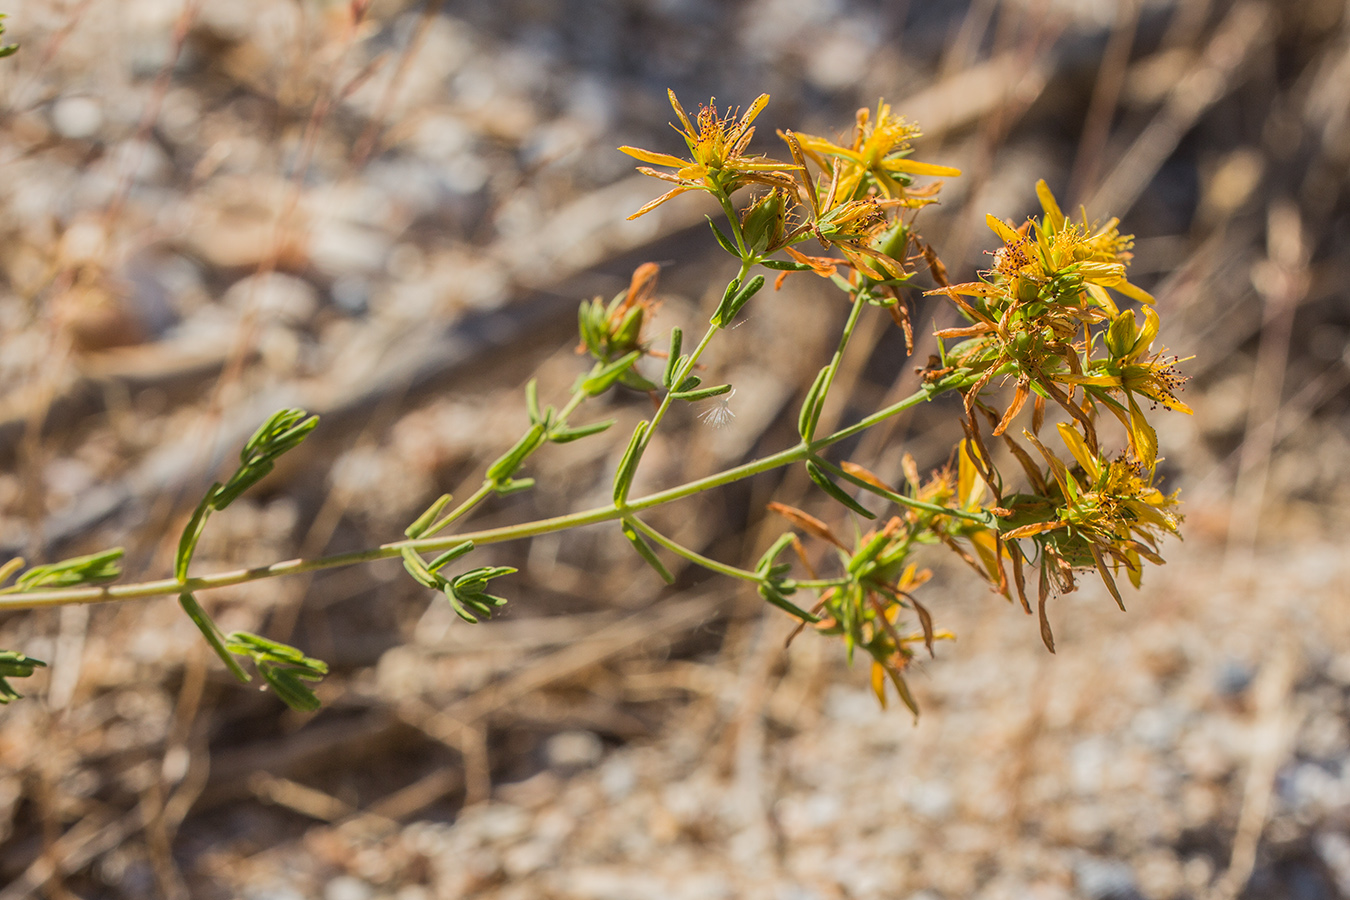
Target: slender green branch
721	568
168	586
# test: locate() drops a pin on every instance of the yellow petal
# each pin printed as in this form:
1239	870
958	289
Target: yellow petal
679	111
1134	293
1096	380
653	204
914	167
1142	436
1098	293
1006	232
1053	214
1074	441
656	159
1149	331
879	683
969	485
755	109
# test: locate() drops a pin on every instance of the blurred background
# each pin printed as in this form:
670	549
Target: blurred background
387	213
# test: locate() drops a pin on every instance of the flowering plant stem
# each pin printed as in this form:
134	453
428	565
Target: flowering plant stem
1041	318
795	454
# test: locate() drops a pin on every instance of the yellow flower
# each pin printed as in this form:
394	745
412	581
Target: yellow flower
1131	369
717	161
1112	513
877	155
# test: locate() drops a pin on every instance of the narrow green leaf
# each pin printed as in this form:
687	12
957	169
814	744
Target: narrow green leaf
513	486
646	552
420	525
212	634
811	406
449	556
701	394
724	241
458	605
623	476
766	561
674	362
508	462
192	532
417	568
785	265
728	309
825	484
532	399
567	435
286	684
719	316
92	569
774	596
605	376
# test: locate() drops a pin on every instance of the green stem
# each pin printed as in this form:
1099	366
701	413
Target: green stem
167	586
713	565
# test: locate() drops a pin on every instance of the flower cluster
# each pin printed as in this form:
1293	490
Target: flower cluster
1045	320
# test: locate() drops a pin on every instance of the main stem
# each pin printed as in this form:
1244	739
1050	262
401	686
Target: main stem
169	586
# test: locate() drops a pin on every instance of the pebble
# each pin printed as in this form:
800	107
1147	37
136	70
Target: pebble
1104	879
345	887
573	750
77	117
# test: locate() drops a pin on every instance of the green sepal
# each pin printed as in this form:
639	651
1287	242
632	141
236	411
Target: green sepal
674	362
95	568
825	484
701	394
602	378
207	626
567	435
646	552
623	475
420	525
809	416
14	664
449	556
508	462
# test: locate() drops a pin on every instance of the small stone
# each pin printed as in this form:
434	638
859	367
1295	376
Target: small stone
275	297
1106	879
574	750
345	887
77	118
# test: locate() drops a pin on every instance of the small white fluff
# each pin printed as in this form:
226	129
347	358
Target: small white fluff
720	415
